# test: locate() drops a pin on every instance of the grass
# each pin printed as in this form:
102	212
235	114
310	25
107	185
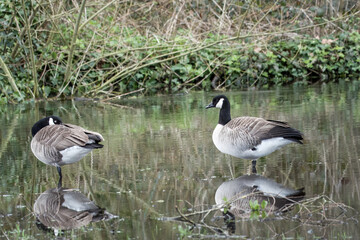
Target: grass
106	49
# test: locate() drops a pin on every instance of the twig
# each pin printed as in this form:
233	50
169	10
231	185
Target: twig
22	33
81	63
5	234
71	52
122	95
97	13
32	54
9	76
117	105
183	217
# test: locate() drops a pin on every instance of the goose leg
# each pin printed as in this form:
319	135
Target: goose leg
60	177
229	220
60	183
253	162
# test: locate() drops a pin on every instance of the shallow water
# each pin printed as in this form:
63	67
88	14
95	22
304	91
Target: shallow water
158	155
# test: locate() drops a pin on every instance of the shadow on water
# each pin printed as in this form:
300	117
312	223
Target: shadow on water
246	197
64	208
253	197
260	199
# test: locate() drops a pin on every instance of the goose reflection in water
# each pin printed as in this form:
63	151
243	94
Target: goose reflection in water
64	209
240	191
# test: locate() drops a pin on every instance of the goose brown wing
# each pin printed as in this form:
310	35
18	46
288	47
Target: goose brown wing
49	211
60	137
282	129
239	131
250	131
65	219
97	137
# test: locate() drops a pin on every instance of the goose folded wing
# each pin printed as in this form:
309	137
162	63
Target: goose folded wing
65	219
97	137
239	133
274	129
60	137
248	132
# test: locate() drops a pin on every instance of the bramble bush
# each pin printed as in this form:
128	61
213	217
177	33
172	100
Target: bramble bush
109	59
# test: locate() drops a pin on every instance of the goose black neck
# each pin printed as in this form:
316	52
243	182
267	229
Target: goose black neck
39	125
224	116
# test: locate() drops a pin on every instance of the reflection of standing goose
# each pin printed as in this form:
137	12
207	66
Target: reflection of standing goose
249	137
240	191
57	144
64	209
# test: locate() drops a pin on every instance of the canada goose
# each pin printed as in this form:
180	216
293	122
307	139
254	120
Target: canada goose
249	137
64	209
240	191
56	143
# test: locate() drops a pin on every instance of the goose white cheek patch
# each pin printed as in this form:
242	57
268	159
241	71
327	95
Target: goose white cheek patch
220	103
51	121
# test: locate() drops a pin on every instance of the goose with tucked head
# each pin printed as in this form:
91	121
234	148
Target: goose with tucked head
56	143
249	137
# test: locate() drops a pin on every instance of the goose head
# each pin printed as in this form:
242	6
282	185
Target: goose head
51	120
219	101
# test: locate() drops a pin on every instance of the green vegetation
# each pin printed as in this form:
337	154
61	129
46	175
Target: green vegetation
258	210
17	234
110	48
184	231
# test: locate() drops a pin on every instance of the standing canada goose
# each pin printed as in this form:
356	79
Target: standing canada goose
240	191
57	144
249	137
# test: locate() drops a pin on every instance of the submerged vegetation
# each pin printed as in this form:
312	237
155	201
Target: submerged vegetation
110	48
319	211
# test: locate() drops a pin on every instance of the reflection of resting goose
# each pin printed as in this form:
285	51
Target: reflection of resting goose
64	209
240	191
